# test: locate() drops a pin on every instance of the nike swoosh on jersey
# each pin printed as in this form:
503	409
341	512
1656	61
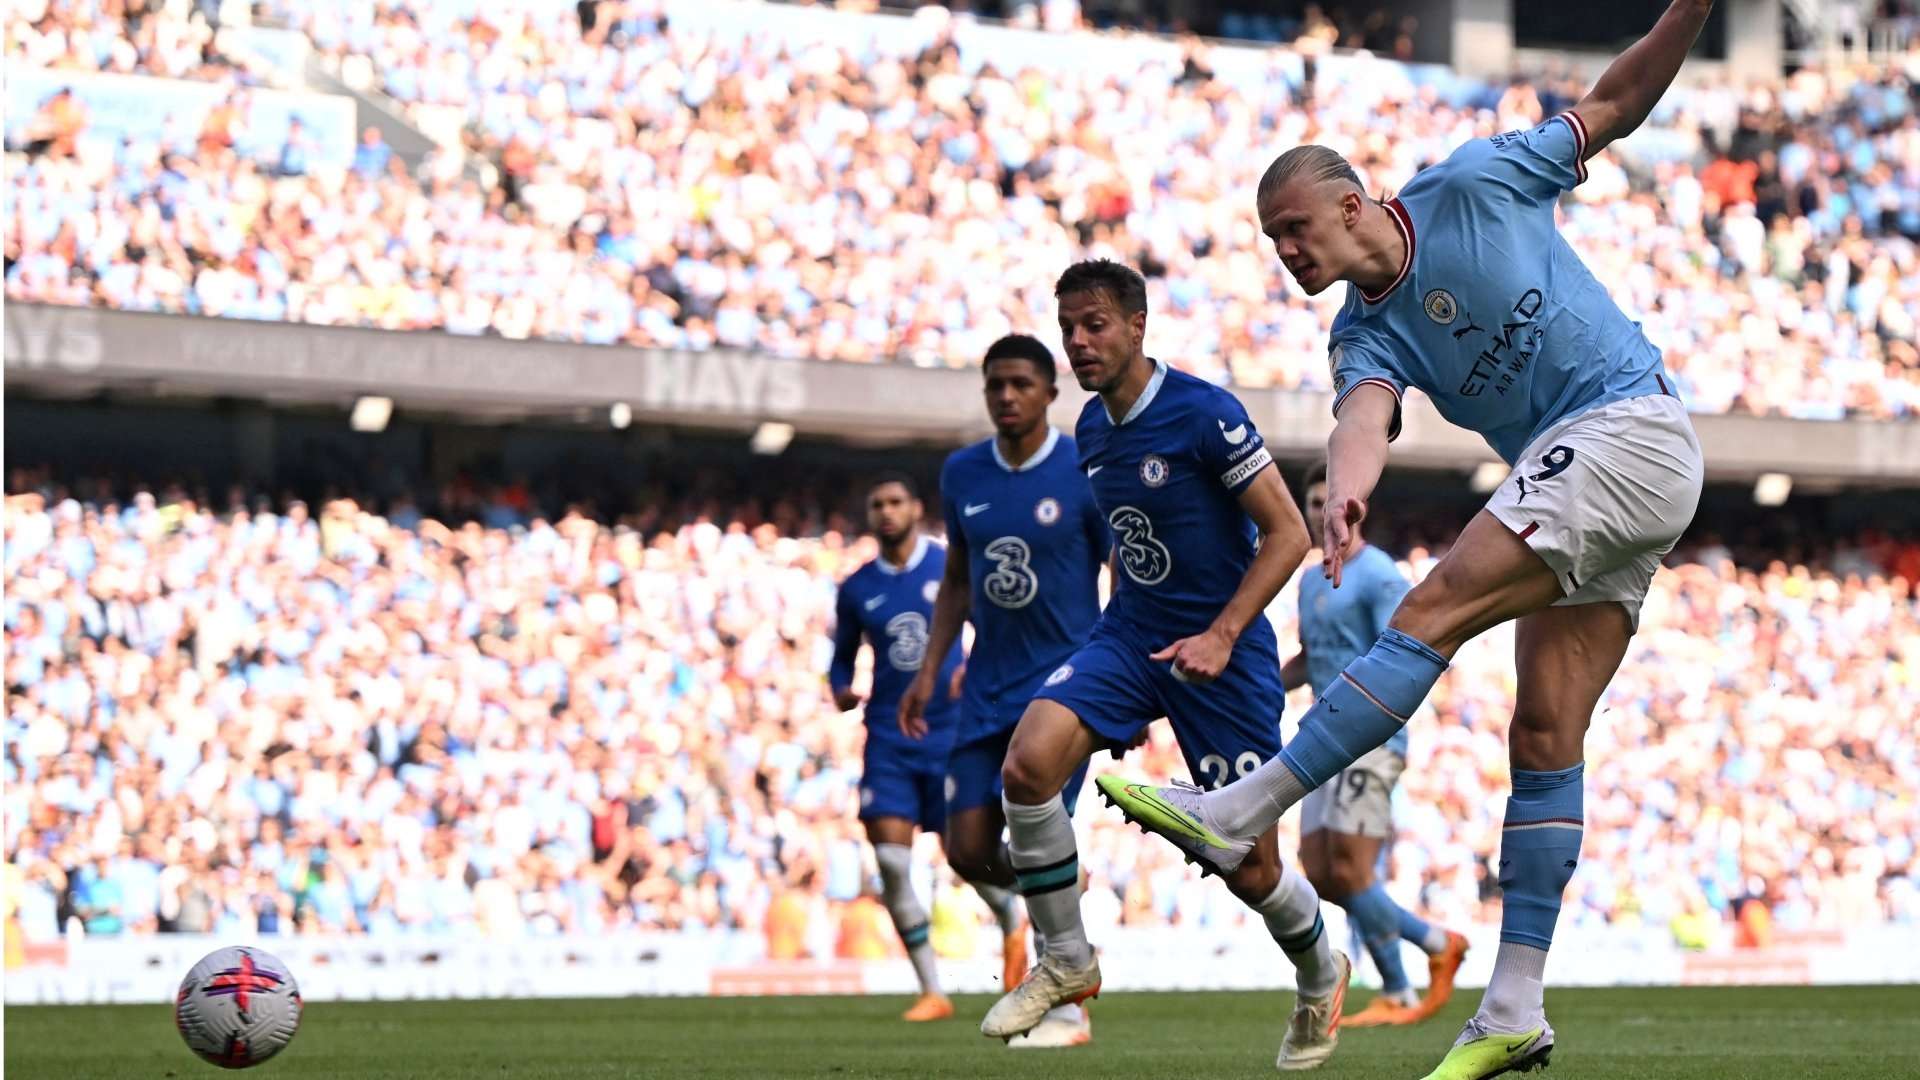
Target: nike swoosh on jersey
1235	436
875	603
1094	469
974	508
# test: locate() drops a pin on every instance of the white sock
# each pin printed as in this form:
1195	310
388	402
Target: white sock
1435	942
909	918
1046	860
1250	805
1292	914
1006	909
1404	997
1072	1014
1516	995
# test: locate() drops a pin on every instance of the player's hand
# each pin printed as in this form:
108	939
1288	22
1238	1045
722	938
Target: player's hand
913	705
1339	527
958	681
846	700
1200	658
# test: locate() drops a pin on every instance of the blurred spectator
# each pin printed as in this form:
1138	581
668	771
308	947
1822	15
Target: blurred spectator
262	721
848	199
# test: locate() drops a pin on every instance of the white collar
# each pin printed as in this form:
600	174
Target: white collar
1040	455
1146	396
913	561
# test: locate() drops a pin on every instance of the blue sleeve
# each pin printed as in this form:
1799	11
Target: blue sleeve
1229	447
1355	362
846	638
1534	166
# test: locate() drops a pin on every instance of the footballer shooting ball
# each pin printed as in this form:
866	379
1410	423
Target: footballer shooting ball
238	1007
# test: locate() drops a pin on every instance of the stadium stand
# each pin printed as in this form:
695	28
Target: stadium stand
659	185
284	719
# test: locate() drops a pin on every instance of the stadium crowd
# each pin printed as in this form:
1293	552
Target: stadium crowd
655	186
256	718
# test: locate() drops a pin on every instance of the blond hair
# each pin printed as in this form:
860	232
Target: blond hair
1317	163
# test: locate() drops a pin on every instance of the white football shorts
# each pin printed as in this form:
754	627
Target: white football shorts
1358	800
1603	496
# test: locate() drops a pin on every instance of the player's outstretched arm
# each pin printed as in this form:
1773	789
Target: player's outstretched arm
1283	543
1634	83
950	610
1356	456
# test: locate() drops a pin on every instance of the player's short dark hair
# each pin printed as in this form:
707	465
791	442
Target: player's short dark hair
1123	283
1316	474
1023	347
894	476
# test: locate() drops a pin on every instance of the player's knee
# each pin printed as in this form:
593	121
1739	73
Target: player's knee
1346	877
1426	611
971	857
1542	737
1027	781
1319	875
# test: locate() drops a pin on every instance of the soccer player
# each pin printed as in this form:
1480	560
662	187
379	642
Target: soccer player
1464	288
1205	534
1024	547
888	602
1345	823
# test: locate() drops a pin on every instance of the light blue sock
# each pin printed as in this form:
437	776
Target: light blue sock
1375	913
1414	929
1539	848
1362	709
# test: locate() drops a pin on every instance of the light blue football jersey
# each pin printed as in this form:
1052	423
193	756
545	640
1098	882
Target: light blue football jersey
1338	626
1493	316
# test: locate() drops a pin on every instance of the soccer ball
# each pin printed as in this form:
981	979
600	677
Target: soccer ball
238	1007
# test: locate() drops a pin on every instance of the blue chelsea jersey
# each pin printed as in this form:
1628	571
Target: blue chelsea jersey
1338	626
1493	316
1035	541
892	607
1168	477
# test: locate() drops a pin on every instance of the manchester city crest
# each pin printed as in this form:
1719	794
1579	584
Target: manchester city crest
1441	306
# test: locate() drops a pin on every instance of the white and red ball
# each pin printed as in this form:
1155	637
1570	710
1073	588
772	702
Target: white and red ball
238	1007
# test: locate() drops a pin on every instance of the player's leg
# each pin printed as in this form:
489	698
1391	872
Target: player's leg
892	839
1048	745
1227	727
1564	658
976	823
1488	577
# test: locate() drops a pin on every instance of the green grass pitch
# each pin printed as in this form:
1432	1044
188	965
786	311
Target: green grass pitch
1846	1033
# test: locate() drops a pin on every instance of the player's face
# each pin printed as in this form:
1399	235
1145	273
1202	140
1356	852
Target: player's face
1017	397
1316	509
1311	226
1101	340
892	513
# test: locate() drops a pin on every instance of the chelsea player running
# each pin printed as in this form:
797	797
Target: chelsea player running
887	601
1204	536
1346	822
1024	547
1464	288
